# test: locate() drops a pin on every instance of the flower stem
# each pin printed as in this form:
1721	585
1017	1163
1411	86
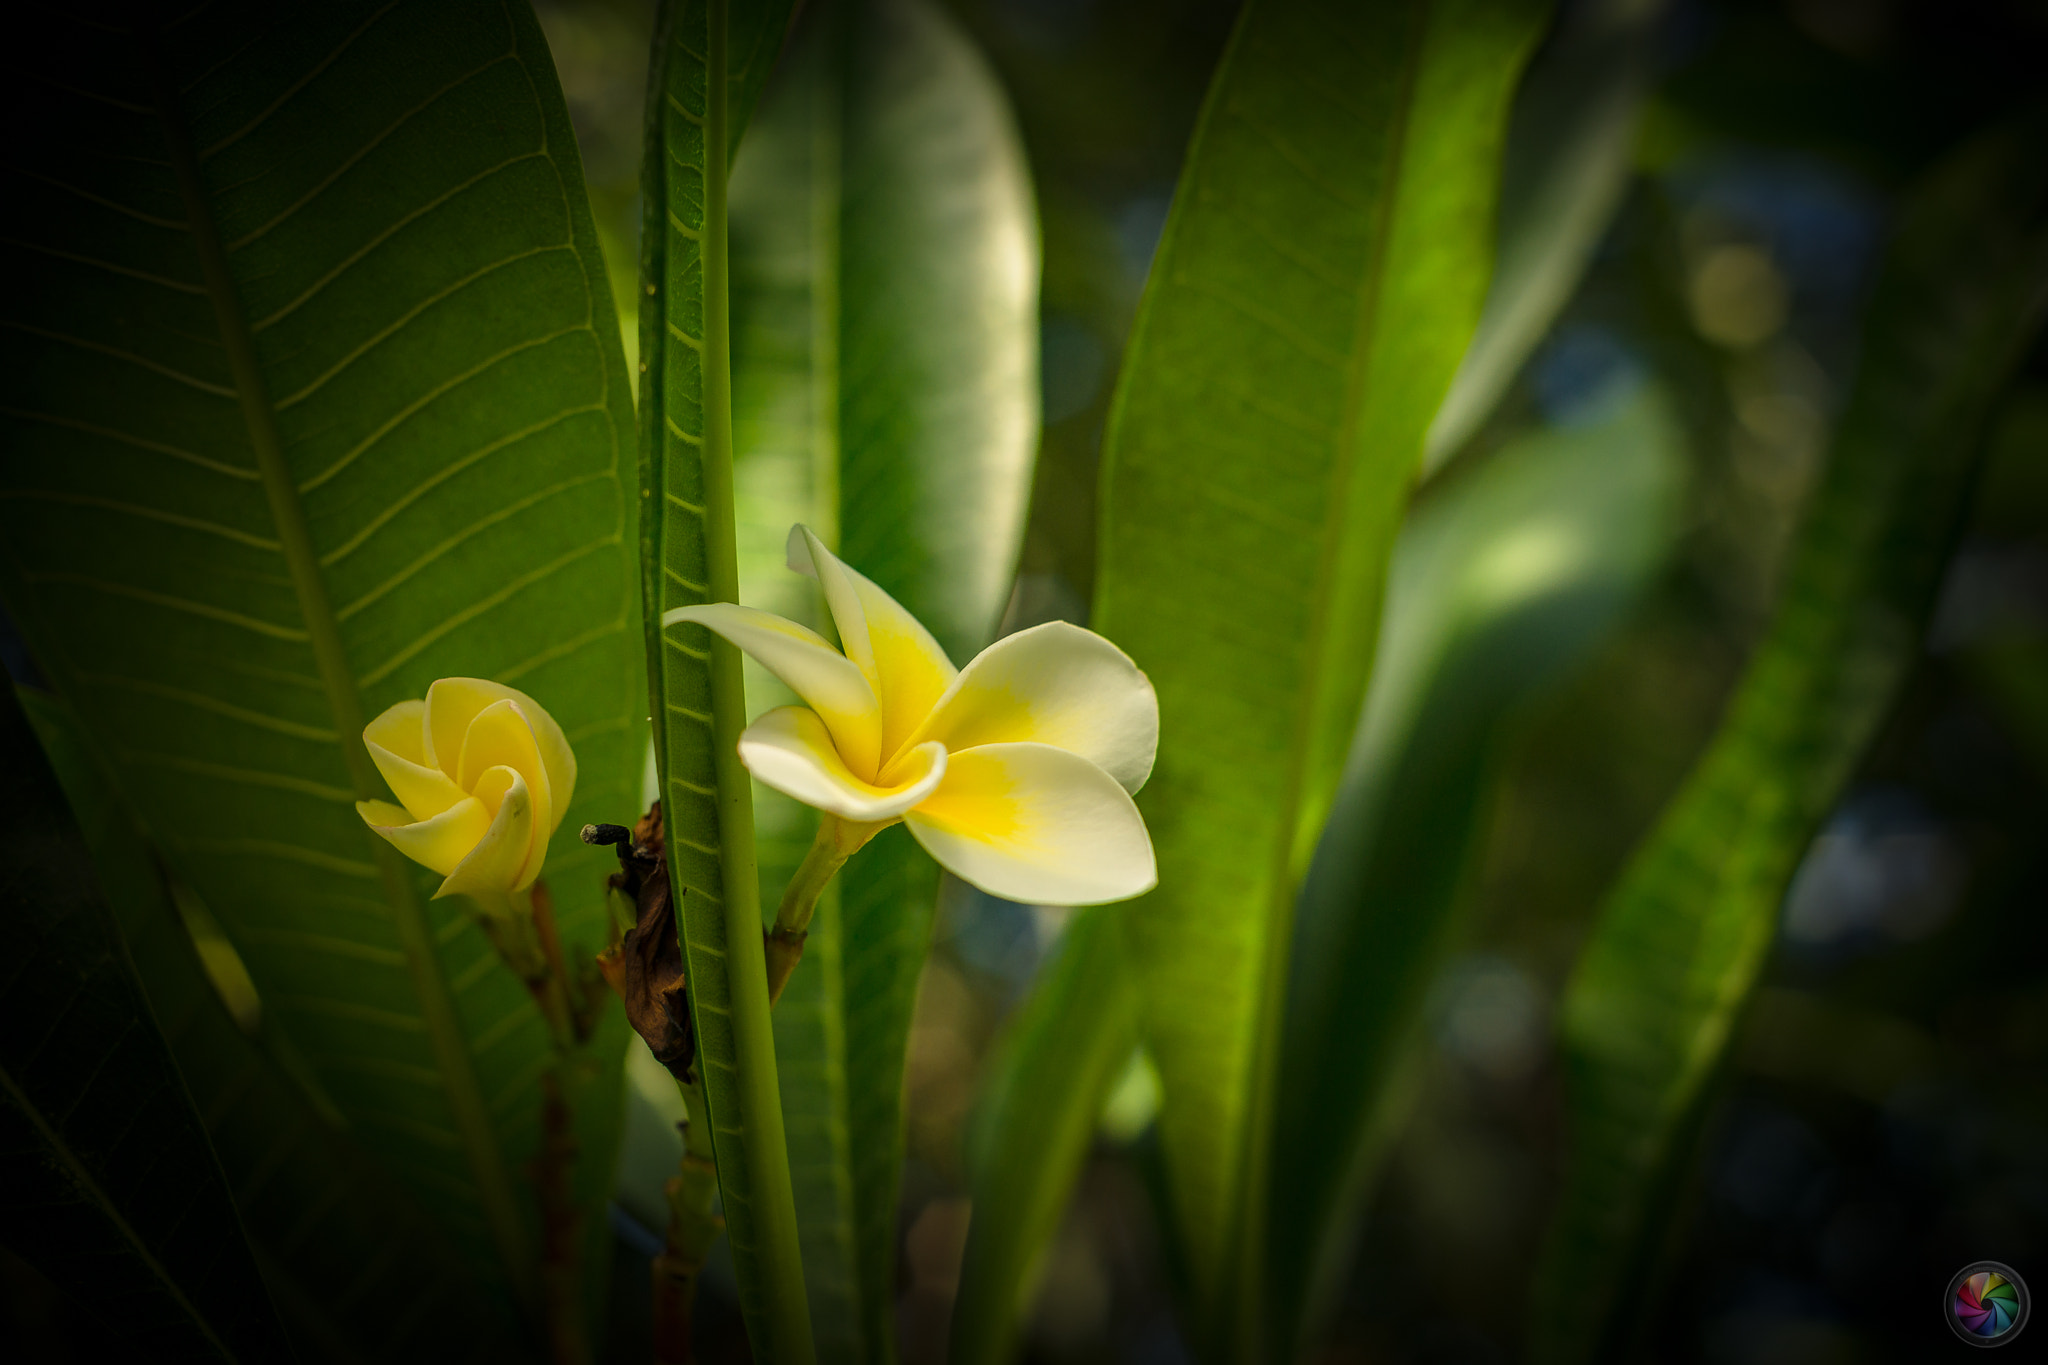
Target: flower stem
521	925
561	1276
693	1227
783	945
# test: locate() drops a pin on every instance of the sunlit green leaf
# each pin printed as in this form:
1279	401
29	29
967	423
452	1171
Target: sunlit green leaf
884	288
1570	148
1679	943
1319	278
316	1209
112	1190
313	394
1498	584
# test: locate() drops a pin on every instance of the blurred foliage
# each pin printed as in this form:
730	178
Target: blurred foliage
1676	949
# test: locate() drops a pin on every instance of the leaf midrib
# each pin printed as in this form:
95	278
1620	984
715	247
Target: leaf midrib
464	1093
1250	1198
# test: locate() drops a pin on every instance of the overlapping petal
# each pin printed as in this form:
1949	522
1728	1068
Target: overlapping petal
790	750
901	661
452	703
439	844
832	684
397	744
1034	823
500	740
505	856
1054	684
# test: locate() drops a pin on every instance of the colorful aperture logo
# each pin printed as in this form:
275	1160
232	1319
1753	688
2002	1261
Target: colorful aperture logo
1987	1304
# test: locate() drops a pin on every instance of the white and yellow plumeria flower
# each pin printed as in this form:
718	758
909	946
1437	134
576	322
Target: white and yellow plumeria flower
484	775
1015	773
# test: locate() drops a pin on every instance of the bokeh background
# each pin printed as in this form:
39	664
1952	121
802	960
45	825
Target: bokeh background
1885	1115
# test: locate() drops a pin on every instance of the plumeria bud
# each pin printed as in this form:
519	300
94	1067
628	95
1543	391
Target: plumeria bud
482	774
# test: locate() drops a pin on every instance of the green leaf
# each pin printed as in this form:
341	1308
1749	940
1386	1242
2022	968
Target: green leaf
1499	583
885	274
1034	1123
1571	145
317	1211
1319	277
709	59
314	394
112	1190
1678	945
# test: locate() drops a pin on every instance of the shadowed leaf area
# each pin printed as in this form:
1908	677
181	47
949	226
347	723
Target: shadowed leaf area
313	394
111	1188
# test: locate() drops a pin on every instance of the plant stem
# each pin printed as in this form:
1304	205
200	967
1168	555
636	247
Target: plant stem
693	1227
560	1276
837	840
758	1127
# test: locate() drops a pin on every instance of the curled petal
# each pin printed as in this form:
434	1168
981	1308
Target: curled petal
397	744
895	653
826	679
452	703
502	859
1032	823
439	844
500	738
790	750
1054	684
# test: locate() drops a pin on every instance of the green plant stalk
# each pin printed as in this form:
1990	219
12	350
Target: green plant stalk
521	926
760	1133
836	841
693	1228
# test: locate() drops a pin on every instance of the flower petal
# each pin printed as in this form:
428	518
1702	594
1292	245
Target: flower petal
502	859
1032	823
397	744
500	737
500	742
897	655
820	674
440	843
452	703
790	750
1054	684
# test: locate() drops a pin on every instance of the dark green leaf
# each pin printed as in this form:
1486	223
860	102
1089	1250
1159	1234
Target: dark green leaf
314	394
1318	280
1678	945
1499	583
111	1190
885	273
317	1211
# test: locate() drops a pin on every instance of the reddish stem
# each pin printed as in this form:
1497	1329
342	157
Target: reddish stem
561	1280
